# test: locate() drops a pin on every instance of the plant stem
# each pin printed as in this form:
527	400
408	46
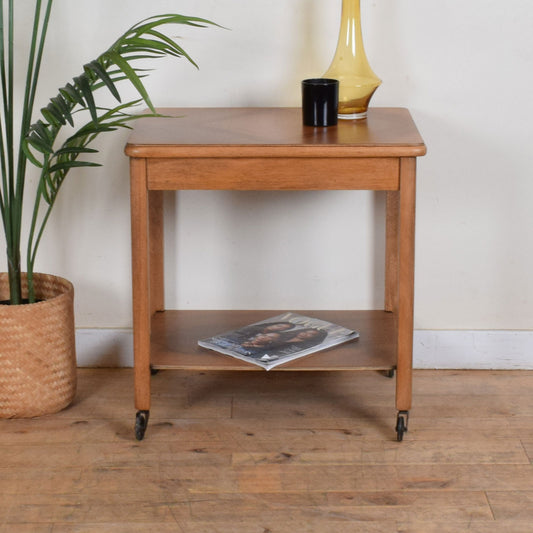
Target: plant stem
34	65
15	288
32	246
10	215
3	118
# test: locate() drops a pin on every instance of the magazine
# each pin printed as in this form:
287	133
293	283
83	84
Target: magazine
279	339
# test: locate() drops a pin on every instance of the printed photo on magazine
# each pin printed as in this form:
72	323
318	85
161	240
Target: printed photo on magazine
279	339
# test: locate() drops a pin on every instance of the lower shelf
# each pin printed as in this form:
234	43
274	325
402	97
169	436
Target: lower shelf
175	335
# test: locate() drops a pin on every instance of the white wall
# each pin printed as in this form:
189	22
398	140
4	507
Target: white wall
465	70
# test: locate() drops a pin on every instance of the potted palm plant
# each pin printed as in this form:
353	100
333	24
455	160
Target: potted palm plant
37	355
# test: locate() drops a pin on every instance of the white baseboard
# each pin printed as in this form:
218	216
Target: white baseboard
104	347
492	349
502	350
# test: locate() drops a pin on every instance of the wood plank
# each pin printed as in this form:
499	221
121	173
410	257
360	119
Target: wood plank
260	174
76	507
326	478
528	446
482	406
472	526
475	383
176	334
276	525
272	132
124	526
516	505
331	433
306	452
344	507
449	452
24	527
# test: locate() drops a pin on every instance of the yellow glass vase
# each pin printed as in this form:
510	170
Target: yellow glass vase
357	81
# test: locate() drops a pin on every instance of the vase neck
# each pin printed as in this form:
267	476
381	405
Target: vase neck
351	9
351	34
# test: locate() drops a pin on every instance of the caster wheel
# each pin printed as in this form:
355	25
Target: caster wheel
401	424
141	423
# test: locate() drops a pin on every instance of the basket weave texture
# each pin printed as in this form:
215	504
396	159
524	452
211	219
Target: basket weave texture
37	349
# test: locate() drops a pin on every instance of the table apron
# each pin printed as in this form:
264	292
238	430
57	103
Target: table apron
257	173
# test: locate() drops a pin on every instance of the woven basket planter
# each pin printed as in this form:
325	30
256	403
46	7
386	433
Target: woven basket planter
37	349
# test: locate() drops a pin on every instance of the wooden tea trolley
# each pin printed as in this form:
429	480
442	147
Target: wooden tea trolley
269	149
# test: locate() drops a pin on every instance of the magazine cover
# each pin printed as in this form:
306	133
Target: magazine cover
279	339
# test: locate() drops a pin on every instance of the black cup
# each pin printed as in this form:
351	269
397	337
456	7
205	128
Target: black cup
320	99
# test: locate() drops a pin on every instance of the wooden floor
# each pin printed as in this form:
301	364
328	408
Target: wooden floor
274	452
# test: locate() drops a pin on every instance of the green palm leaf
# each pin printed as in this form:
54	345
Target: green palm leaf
142	41
100	72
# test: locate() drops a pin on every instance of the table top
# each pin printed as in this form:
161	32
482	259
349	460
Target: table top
272	132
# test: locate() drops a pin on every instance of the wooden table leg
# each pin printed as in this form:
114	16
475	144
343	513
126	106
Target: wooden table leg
391	251
157	256
406	283
141	283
